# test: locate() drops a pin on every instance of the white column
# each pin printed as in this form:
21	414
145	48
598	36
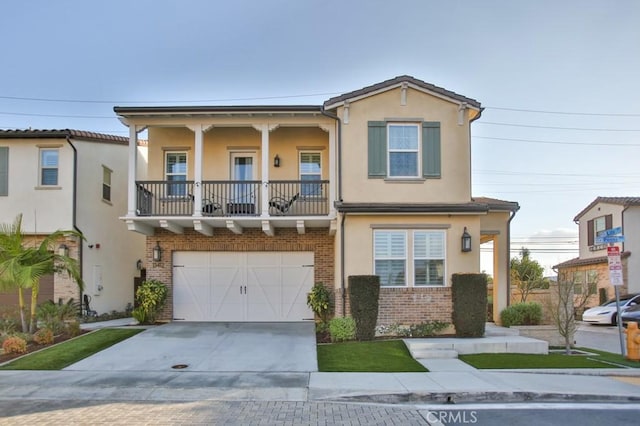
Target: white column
333	182
264	208
197	170
131	181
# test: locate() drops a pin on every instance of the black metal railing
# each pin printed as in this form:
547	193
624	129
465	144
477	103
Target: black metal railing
233	198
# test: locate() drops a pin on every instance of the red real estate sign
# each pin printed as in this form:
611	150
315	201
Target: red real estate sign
615	265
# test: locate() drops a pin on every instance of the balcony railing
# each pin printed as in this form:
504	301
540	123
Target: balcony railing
233	198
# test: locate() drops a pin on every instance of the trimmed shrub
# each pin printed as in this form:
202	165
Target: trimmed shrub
342	329
529	313
428	328
43	336
150	297
364	291
14	345
469	294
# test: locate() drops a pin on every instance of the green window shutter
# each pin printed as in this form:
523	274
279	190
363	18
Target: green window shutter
431	149
4	170
377	149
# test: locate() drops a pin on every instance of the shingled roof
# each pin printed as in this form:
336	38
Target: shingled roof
621	201
62	133
397	81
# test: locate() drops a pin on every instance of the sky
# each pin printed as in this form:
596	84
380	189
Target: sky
559	80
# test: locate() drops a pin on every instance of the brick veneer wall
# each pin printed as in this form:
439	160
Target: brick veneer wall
317	241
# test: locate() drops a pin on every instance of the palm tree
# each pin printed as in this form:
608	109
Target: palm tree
22	267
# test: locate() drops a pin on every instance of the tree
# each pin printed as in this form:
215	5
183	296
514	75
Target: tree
563	304
21	266
527	274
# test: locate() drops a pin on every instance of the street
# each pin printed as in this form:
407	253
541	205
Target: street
601	337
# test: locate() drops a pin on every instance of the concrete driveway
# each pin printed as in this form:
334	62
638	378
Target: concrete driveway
231	347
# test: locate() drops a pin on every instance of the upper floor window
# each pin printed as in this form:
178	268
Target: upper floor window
49	167
176	171
310	169
106	183
4	170
596	225
403	150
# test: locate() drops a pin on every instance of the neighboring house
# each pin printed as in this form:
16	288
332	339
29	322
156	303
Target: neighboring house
246	207
74	180
590	271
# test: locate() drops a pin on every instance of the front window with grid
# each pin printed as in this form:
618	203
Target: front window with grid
404	150
176	171
409	258
49	167
310	169
106	183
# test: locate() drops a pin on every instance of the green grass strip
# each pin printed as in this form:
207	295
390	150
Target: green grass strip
386	356
617	359
66	353
554	360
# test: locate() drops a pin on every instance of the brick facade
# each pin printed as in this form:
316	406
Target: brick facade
317	241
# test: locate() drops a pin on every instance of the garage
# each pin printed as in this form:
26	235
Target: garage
242	286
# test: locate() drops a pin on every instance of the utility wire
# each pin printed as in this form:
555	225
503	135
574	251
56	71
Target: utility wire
564	112
556	127
558	142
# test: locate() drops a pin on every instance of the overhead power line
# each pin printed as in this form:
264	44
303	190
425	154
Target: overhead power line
56	115
558	142
556	127
602	114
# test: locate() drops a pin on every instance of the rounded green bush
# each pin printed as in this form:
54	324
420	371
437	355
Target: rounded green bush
529	313
342	329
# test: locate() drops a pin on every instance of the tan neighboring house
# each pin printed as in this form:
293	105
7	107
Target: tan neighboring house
590	271
246	207
74	180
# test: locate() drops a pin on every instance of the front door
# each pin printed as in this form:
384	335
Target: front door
244	196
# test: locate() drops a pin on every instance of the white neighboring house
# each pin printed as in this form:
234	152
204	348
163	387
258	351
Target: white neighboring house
70	179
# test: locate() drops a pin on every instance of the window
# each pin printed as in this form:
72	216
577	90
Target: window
48	167
578	282
176	171
428	258
310	169
403	150
409	258
4	171
106	183
596	225
390	257
592	281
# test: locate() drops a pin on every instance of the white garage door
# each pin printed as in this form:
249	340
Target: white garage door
248	286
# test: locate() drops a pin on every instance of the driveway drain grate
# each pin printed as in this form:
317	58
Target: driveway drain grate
179	366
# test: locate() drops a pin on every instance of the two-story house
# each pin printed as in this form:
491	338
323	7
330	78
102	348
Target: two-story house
74	180
590	270
246	207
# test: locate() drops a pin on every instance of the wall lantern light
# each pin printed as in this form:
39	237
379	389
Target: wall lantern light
466	241
139	265
63	250
276	161
157	252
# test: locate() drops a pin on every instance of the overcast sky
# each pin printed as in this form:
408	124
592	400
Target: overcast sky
66	63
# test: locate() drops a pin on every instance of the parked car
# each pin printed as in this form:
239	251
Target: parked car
631	314
607	313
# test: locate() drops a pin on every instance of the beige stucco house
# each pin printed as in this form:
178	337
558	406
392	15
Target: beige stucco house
590	269
74	180
246	207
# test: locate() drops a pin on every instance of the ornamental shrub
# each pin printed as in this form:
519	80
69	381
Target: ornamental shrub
150	297
43	336
529	313
428	328
469	294
364	291
342	329
14	345
319	300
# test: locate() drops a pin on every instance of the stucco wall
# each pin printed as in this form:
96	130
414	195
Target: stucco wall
631	221
601	209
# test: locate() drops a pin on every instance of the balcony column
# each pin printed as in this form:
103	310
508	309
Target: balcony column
331	129
264	207
133	169
197	169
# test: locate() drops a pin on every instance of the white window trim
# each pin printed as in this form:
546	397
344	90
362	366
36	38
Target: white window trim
444	259
107	169
41	184
418	150
410	257
166	171
300	174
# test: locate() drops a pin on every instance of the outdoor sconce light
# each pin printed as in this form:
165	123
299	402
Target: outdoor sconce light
139	265
157	252
276	161
63	250
466	241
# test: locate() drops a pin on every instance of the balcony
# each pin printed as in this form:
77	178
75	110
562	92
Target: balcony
228	199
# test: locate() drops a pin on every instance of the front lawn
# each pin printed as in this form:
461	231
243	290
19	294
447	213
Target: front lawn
553	360
64	354
385	356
